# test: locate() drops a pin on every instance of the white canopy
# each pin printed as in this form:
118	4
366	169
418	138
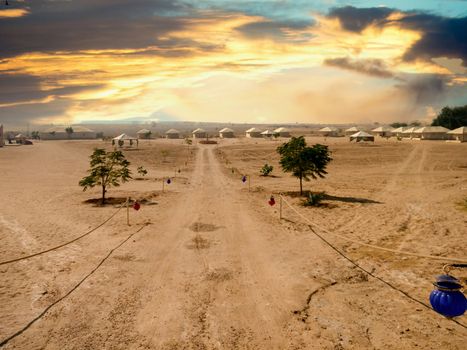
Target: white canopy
172	131
20	136
199	131
409	130
268	132
431	130
352	129
226	130
253	130
382	129
400	129
459	131
329	129
361	134
281	129
124	137
144	131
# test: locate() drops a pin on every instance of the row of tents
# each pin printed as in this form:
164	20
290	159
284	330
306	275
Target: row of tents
229	133
421	133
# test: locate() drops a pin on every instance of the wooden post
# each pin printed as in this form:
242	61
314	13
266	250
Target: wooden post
128	211
280	206
163	181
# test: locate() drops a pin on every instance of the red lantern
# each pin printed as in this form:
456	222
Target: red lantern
169	181
272	201
136	206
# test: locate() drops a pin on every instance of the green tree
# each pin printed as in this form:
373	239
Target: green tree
35	135
451	118
69	131
398	125
107	169
302	161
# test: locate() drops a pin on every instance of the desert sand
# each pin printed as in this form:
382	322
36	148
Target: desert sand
211	265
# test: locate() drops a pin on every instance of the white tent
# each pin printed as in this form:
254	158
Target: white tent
120	140
399	131
253	132
383	131
459	134
329	131
268	133
144	134
199	133
226	133
172	134
351	131
362	136
282	132
409	133
431	133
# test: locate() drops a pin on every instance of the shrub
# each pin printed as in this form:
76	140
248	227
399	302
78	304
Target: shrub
314	199
266	169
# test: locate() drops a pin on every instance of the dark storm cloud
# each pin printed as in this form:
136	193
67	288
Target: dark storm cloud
423	89
91	25
373	67
20	114
20	88
270	29
357	19
440	36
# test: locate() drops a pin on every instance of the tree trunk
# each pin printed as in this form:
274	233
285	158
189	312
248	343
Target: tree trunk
301	189
103	195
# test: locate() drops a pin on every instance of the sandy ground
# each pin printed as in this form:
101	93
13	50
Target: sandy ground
215	268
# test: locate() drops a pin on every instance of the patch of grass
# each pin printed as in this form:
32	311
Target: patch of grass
314	199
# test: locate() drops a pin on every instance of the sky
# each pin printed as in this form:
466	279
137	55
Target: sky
325	61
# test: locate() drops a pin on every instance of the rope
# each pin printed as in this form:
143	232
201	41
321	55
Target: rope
434	257
369	272
63	244
38	317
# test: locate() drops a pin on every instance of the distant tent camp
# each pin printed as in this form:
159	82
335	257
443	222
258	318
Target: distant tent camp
20	138
383	131
226	133
329	131
351	131
432	133
459	134
268	133
253	132
61	133
282	132
144	134
199	133
172	134
362	136
409	133
122	138
399	131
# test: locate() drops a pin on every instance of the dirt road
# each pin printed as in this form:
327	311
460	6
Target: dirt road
214	271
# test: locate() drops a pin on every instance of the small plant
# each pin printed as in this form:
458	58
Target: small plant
142	171
188	141
266	169
314	199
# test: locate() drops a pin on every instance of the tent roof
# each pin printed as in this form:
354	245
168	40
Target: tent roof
199	131
253	130
361	134
431	129
353	128
268	132
281	129
409	130
143	131
226	130
459	131
172	131
329	129
20	136
124	137
400	129
382	129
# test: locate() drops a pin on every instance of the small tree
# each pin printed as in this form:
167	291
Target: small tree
303	161
69	131
266	169
35	135
142	171
107	169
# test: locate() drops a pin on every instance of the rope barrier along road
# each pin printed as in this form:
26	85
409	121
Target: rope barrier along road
63	244
369	272
38	317
434	257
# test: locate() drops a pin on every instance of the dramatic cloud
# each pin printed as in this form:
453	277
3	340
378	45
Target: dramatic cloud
357	19
374	67
274	30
